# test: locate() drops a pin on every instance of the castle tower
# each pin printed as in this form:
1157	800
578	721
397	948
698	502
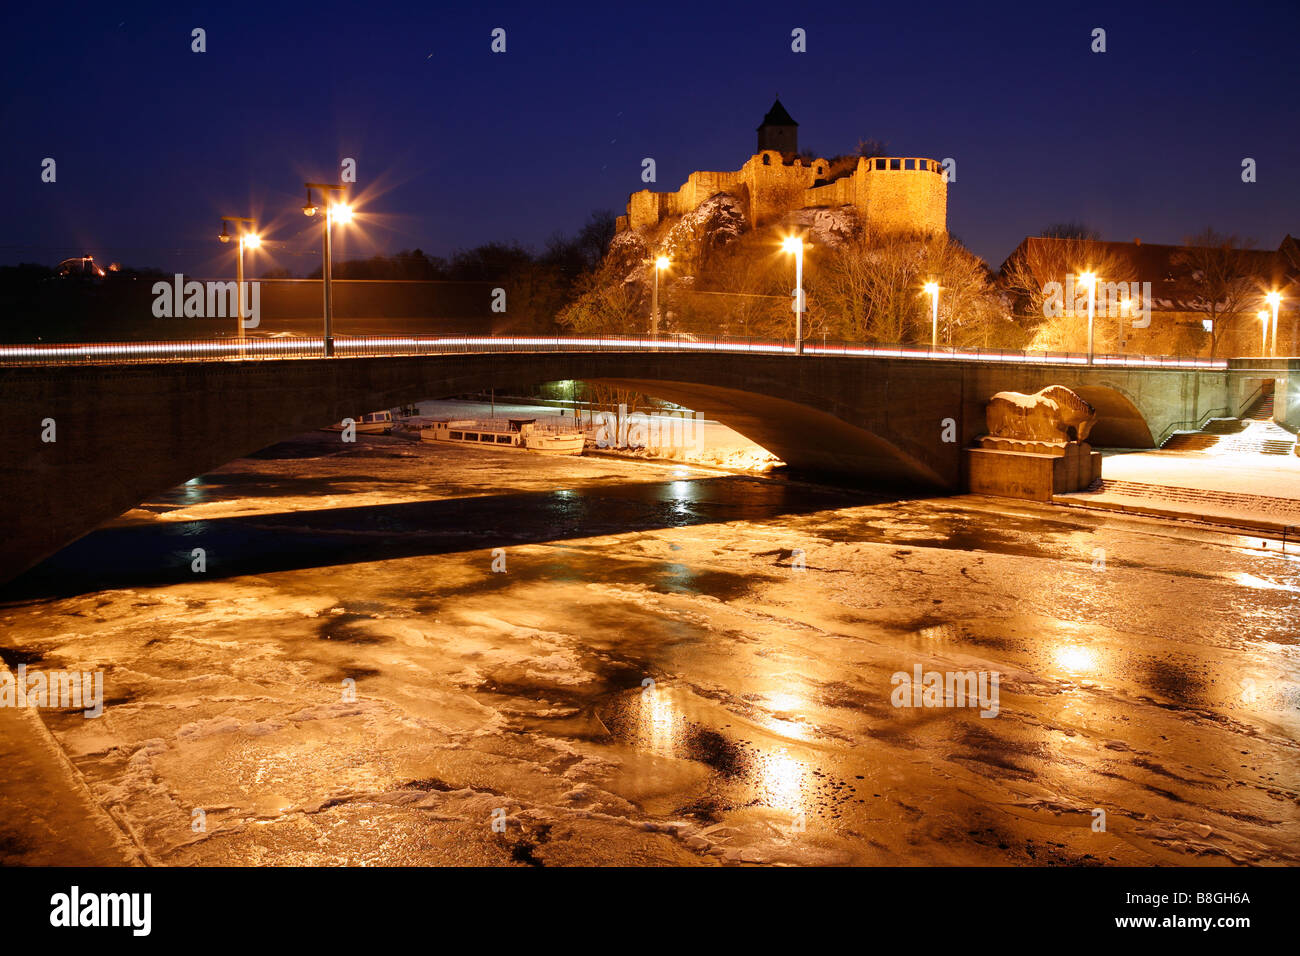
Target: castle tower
778	131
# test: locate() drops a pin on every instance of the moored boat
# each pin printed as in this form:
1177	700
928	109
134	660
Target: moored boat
375	423
512	433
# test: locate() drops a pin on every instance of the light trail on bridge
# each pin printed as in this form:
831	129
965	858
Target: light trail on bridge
256	349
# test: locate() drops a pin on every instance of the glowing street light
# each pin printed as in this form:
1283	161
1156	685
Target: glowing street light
335	211
1274	299
1262	315
661	264
1089	279
933	289
794	244
247	240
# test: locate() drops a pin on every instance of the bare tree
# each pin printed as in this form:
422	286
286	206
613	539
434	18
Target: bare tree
605	301
1219	280
1036	277
971	310
744	291
871	148
1069	229
872	289
867	289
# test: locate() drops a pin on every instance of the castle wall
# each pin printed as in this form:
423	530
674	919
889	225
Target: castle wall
648	208
775	188
842	192
892	196
642	209
891	193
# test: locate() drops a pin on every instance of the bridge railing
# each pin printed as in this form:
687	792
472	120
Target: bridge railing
369	346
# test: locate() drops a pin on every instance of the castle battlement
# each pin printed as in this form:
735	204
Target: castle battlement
907	194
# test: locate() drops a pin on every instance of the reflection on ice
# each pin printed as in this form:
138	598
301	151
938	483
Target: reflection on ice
1077	659
783	780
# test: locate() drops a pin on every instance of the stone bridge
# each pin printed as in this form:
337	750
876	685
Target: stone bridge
128	431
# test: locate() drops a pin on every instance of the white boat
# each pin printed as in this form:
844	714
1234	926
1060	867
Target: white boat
512	433
375	423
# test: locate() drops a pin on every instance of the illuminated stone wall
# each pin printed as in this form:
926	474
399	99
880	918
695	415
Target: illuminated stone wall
891	193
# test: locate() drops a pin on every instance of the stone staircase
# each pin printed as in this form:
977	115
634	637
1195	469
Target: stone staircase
1282	509
1191	441
1254	434
1262	410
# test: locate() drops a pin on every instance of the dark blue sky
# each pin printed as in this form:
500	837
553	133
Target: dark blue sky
456	145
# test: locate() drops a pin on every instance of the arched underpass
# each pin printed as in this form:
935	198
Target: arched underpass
804	437
1120	423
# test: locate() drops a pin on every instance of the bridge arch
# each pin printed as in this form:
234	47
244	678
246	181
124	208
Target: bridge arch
1120	423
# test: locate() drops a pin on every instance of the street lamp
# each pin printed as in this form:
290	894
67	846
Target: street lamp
339	212
1262	315
661	264
795	244
933	289
1274	299
1090	280
247	240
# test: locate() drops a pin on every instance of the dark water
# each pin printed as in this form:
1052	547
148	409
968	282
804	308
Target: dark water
155	554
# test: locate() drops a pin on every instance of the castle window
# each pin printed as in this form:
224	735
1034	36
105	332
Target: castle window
880	164
893	163
767	160
924	163
909	164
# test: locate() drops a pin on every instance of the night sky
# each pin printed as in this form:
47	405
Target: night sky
457	146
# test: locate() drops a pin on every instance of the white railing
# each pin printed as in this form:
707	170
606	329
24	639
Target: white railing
371	346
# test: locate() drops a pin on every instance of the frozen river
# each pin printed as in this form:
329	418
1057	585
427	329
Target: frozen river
417	654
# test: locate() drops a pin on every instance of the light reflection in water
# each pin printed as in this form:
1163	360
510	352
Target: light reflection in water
1077	659
783	780
683	493
777	778
193	492
659	720
786	703
656	724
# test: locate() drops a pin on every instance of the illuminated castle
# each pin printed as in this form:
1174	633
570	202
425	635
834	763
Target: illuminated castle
889	193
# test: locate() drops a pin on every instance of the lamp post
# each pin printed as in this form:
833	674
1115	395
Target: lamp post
1090	280
1262	315
795	244
334	212
933	289
661	264
247	239
1125	312
1274	299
